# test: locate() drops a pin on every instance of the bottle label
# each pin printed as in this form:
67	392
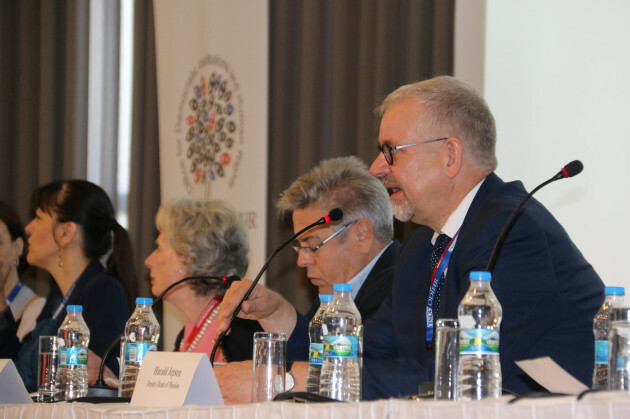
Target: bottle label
75	355
622	362
135	352
316	354
479	342
341	346
601	352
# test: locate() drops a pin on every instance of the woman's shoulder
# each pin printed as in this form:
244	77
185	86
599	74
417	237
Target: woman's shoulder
95	277
102	293
30	315
103	287
97	287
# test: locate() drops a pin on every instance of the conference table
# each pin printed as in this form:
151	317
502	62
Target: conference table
593	405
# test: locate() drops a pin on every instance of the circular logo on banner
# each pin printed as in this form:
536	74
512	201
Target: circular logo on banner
209	128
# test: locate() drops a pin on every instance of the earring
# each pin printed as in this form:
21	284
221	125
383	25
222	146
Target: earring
16	262
60	262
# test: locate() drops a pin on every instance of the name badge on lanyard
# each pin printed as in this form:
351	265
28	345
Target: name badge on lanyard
14	292
436	280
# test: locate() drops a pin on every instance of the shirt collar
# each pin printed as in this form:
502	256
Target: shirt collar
358	280
456	219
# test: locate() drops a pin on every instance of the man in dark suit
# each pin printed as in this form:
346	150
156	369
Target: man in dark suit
357	249
437	139
438	157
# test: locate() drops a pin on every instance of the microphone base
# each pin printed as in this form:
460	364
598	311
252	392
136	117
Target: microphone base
99	400
99	393
102	391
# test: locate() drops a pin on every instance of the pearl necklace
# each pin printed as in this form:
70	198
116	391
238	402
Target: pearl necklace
201	325
201	332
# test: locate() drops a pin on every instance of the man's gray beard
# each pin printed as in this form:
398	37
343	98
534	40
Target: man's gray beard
402	210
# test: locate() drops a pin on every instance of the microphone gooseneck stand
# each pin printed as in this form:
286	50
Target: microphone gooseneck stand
572	169
334	215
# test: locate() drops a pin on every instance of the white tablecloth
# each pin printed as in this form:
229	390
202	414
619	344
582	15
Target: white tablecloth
596	405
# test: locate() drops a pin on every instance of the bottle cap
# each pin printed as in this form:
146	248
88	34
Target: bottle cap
144	300
74	308
615	291
325	297
342	287
480	276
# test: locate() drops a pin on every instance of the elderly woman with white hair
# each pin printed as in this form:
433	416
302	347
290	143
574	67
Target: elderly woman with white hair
201	239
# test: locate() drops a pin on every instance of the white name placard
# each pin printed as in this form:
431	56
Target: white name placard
12	390
174	379
551	375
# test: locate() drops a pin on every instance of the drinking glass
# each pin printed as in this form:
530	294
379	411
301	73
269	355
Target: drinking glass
269	366
47	368
446	358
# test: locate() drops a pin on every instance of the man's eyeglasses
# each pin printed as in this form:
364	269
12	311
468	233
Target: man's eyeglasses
311	250
388	152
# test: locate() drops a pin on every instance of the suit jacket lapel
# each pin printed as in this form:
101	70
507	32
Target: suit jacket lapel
382	263
452	291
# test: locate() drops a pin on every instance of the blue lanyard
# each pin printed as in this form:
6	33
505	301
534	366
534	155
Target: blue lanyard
64	301
436	280
14	292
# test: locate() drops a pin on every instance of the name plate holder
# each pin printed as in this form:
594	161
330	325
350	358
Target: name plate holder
546	372
175	379
12	389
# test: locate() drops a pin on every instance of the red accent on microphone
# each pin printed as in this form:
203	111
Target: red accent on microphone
327	218
565	172
225	277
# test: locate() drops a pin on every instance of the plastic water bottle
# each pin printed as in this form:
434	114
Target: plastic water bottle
74	336
142	333
479	314
340	378
601	328
316	350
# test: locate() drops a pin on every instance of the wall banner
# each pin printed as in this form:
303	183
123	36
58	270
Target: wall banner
212	71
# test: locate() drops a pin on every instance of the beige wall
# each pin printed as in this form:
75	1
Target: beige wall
556	77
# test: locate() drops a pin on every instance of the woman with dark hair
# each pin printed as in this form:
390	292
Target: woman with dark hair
25	305
73	229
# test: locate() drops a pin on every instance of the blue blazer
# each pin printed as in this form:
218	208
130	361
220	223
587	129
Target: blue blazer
548	291
105	312
371	295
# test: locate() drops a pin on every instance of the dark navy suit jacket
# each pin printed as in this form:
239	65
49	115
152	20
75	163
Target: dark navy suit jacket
371	295
548	291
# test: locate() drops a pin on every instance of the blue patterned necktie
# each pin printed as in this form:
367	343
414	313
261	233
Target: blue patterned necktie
439	247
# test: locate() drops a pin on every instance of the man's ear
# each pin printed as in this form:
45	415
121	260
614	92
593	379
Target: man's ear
455	154
364	234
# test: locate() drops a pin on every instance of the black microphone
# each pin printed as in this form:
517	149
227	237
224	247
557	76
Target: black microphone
572	169
335	214
100	389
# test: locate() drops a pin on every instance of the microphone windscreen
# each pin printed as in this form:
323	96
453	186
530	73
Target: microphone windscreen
573	168
228	280
335	214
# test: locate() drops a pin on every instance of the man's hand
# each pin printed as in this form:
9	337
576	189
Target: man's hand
274	313
235	382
